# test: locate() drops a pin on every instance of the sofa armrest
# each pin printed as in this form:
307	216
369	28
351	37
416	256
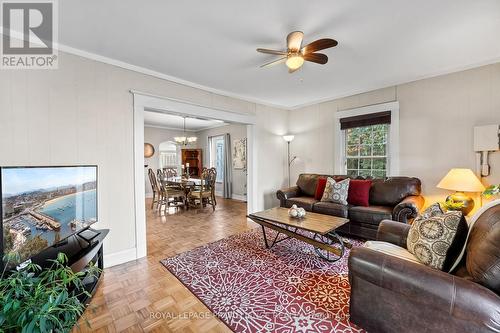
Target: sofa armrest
393	232
408	208
287	193
417	295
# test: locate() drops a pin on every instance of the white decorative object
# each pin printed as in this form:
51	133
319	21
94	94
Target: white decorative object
296	212
240	154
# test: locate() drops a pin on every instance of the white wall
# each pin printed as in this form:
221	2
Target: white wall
236	132
437	116
271	149
82	113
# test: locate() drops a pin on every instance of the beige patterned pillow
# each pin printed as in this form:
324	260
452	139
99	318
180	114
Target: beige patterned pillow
434	237
336	191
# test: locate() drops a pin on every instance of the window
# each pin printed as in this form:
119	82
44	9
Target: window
368	143
169	155
217	156
366	151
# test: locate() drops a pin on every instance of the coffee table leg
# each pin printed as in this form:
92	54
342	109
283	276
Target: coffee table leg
329	239
265	237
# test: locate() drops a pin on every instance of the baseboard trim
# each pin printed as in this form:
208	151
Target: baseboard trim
120	257
239	197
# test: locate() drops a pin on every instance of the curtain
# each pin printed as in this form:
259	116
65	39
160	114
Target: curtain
228	165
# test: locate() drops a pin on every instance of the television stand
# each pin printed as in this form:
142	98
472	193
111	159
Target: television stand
81	253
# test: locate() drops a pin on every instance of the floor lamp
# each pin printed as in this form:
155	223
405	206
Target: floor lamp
288	139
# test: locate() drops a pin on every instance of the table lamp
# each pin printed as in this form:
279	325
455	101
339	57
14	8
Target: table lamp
461	180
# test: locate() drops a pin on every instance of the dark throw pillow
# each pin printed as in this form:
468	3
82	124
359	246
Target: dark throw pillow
436	238
320	188
359	192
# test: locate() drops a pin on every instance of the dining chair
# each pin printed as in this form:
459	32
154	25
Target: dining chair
160	174
171	196
204	194
213	177
155	187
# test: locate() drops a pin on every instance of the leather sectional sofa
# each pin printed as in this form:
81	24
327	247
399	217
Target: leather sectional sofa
394	198
390	294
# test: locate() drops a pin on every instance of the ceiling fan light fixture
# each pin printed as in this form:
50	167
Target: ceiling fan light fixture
294	61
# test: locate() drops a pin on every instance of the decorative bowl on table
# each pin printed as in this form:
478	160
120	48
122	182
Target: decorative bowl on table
296	212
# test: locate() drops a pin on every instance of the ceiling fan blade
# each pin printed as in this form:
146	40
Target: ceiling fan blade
294	41
275	62
271	51
319	44
318	58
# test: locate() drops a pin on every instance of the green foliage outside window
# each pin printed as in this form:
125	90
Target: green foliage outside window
366	151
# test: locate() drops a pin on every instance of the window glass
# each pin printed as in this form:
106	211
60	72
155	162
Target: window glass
366	151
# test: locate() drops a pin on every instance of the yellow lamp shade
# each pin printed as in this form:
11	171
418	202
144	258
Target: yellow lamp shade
462	180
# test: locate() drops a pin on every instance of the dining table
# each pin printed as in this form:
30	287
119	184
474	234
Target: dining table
186	184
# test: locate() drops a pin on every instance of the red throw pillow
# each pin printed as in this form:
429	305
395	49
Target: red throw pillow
320	188
359	192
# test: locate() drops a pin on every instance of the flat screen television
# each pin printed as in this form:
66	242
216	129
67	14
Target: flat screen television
42	206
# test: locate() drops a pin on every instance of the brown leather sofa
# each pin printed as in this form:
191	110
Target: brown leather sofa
390	294
394	198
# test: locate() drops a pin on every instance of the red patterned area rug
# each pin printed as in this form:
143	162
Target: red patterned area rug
285	289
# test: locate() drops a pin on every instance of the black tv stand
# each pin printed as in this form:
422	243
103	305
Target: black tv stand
81	253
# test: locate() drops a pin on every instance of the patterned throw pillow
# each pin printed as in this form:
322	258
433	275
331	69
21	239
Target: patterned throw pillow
336	191
434	237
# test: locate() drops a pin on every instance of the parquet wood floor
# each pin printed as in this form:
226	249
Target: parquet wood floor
142	296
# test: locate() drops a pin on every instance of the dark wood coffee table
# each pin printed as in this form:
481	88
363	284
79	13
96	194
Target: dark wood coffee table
315	229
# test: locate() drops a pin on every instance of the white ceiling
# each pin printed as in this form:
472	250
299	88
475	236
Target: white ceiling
170	121
212	43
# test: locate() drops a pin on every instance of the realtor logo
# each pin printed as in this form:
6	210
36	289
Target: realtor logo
29	32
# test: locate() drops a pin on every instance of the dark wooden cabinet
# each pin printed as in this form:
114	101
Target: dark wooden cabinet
195	159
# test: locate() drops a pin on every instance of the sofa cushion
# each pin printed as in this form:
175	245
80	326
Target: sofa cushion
390	191
436	241
371	214
331	208
483	248
336	191
307	183
320	188
359	192
304	202
391	249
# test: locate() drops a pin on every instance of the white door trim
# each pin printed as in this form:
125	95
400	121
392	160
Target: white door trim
144	101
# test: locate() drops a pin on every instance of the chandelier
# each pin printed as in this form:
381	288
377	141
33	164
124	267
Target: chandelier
185	140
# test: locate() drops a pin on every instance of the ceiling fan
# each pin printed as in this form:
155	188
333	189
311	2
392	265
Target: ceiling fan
295	54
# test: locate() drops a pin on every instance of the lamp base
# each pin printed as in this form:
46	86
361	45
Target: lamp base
468	202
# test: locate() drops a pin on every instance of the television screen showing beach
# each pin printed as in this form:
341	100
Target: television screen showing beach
42	206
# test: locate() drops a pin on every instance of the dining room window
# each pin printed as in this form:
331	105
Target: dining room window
217	156
169	155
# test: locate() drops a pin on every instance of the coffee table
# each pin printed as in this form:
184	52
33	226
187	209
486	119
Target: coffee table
315	229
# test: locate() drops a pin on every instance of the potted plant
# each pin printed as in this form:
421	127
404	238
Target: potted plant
36	300
493	190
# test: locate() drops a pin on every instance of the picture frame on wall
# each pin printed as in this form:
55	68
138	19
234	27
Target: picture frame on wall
240	154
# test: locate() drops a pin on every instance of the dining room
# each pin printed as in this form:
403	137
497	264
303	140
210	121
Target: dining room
191	162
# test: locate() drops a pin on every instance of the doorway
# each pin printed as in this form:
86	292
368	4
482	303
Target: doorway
147	102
